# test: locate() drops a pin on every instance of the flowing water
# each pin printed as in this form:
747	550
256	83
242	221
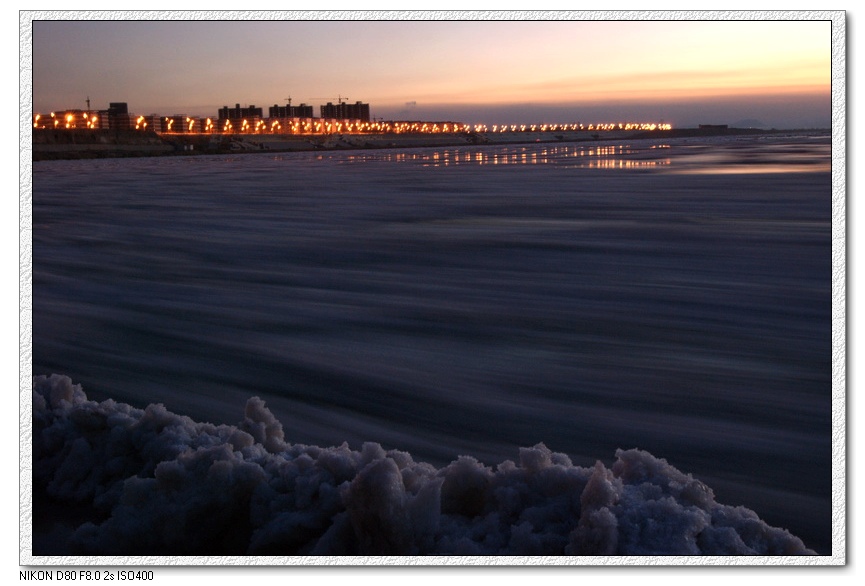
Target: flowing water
672	296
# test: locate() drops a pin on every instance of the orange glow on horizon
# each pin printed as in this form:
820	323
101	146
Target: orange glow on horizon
640	62
410	67
568	92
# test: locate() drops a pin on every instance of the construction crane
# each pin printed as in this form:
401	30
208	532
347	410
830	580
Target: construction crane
339	99
288	99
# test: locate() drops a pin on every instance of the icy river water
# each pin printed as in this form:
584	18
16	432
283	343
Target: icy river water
669	296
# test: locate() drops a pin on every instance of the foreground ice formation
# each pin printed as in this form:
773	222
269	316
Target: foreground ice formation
155	483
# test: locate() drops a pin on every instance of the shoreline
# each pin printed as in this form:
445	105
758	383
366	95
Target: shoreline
99	144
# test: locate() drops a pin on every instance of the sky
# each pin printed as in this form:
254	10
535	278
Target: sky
492	72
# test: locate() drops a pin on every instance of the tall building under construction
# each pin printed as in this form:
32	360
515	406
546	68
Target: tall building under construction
238	113
344	111
301	111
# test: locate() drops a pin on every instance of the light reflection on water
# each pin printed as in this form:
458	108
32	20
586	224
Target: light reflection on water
679	156
592	156
754	157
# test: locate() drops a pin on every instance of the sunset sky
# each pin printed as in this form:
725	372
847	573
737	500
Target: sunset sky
682	72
